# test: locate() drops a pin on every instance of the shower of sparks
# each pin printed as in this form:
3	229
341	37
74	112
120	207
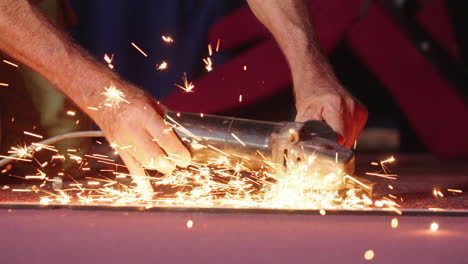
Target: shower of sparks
109	60
11	63
140	50
167	39
187	86
208	64
113	96
220	182
4	84
162	66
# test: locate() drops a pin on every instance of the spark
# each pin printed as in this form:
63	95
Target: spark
187	86
217	45
394	223
208	64
140	50
32	134
13	158
21	151
44	146
238	139
245	67
437	193
369	254
114	96
4	84
167	39
454	190
210	50
240	98
71	113
189	224
322	212
92	108
126	147
11	63
387	176
93	183
162	66
434	227
389	160
109	60
36	177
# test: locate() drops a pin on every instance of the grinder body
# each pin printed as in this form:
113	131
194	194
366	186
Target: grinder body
258	143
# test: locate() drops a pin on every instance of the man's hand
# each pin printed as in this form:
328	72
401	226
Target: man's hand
138	132
341	111
319	96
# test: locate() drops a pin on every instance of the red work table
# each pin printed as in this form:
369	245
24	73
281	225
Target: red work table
126	235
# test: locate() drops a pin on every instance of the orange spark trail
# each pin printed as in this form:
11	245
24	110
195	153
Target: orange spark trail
32	134
11	63
140	50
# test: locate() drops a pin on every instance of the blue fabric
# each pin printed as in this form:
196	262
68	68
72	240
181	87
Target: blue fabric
109	26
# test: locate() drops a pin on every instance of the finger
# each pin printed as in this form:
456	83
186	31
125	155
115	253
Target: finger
309	114
150	155
166	138
138	175
336	121
360	119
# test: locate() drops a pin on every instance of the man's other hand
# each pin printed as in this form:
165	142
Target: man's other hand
341	111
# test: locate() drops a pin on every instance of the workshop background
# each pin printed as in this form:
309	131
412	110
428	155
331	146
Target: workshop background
409	80
405	60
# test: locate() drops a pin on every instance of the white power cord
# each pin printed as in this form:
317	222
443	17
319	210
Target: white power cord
53	140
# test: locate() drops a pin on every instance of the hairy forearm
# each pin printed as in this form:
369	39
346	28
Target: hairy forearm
289	22
27	36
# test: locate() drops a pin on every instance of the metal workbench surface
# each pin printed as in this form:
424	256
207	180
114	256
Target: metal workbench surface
66	235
